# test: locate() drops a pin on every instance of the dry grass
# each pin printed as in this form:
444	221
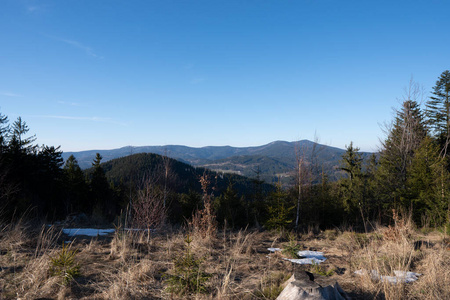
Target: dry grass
128	265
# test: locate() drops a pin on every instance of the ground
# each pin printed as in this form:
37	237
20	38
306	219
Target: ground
237	264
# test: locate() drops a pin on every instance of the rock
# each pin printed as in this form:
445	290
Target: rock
301	286
76	220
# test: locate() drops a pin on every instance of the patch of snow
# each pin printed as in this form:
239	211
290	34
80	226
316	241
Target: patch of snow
87	231
400	276
312	254
274	249
308	258
304	261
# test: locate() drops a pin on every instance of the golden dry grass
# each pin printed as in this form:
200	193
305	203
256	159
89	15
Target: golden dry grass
129	265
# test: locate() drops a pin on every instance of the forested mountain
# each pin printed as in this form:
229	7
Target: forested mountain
179	177
272	160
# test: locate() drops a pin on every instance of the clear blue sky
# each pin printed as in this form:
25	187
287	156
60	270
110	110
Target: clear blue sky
106	74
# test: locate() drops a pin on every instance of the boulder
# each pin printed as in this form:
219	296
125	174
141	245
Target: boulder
302	286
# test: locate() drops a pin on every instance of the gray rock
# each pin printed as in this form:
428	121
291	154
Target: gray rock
301	286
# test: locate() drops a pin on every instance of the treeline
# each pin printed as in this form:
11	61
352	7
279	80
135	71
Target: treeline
34	181
411	172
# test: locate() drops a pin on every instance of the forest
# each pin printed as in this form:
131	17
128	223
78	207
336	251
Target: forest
410	173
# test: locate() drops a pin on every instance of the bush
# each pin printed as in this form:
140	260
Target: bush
63	265
187	275
292	248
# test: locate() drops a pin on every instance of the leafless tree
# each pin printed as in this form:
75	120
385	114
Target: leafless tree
167	173
306	165
204	220
148	207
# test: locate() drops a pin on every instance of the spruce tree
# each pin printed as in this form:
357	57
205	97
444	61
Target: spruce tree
438	111
4	129
279	209
17	142
403	139
101	191
428	184
77	199
351	189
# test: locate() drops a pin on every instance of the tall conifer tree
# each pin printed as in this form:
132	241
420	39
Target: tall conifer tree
438	111
403	139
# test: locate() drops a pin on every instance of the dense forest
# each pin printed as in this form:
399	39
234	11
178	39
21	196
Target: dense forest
411	172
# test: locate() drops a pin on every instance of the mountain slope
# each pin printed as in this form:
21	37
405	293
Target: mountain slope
274	159
181	178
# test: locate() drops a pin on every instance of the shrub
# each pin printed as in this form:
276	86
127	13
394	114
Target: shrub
272	285
63	265
318	269
292	247
187	275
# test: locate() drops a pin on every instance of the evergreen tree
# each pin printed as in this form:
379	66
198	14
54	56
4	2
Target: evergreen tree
190	202
4	130
100	191
7	187
230	207
77	199
17	142
351	190
438	110
257	211
371	206
47	182
279	209
396	155
428	184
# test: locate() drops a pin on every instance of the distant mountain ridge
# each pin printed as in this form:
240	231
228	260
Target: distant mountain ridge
273	160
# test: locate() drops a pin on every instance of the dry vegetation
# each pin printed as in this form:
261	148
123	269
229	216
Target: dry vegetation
128	265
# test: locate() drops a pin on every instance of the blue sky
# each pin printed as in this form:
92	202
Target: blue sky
106	74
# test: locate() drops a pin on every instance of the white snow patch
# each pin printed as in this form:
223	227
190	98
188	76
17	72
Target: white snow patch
400	276
87	231
274	249
308	258
312	254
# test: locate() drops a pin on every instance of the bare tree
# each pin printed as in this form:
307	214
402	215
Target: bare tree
148	207
204	220
305	170
167	173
